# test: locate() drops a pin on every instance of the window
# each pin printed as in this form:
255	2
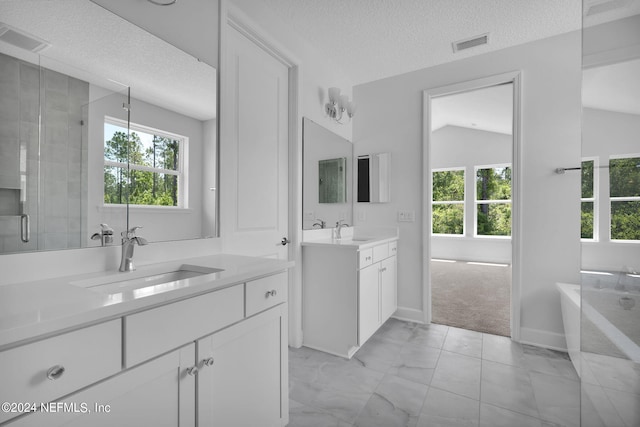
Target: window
143	166
493	200
448	202
589	210
624	192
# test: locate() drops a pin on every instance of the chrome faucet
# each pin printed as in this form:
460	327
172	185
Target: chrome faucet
338	229
129	239
320	223
105	235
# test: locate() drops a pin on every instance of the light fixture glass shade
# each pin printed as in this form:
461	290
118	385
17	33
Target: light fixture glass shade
344	100
351	108
334	94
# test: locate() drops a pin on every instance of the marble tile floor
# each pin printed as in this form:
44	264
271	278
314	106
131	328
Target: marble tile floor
433	375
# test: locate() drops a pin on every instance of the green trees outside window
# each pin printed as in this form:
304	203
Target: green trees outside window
493	201
448	202
140	168
587	200
624	192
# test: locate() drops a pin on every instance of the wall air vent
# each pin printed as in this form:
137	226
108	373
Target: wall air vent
598	6
19	38
470	42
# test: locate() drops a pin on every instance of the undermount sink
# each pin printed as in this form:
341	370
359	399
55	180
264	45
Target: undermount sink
121	282
362	239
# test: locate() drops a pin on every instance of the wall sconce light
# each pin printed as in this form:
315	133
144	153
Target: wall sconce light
338	105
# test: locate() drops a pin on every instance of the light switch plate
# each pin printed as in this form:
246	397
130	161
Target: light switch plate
406	216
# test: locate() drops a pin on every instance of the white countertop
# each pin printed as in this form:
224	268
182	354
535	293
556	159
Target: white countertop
348	242
38	309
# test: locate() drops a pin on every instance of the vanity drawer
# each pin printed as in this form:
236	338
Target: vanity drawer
46	370
365	257
393	248
380	252
156	331
266	292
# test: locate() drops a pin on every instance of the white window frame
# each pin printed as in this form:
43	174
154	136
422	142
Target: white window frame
477	202
619	199
181	172
451	202
595	199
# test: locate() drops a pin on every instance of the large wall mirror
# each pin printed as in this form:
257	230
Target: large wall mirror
103	122
327	177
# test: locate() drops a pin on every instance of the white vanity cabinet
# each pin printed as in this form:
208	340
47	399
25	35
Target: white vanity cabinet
214	359
349	291
160	392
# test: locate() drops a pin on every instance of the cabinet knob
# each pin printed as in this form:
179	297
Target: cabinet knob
271	293
208	362
368	258
192	371
55	372
383	269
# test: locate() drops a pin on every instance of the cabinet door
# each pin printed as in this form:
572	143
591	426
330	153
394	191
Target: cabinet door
242	381
368	302
157	393
388	288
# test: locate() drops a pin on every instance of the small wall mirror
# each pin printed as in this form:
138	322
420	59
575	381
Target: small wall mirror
327	177
332	181
373	178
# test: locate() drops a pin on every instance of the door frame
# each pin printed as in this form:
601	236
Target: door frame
515	78
233	17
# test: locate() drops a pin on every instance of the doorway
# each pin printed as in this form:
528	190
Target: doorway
470	181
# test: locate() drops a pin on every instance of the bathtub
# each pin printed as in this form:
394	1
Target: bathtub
609	302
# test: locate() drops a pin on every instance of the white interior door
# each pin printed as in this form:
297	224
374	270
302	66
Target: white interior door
254	149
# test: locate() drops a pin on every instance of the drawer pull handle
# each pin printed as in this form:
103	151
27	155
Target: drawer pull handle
271	293
382	270
208	362
192	371
55	372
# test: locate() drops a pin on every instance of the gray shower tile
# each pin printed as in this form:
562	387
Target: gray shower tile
416	363
615	373
508	387
557	398
464	342
395	402
458	374
493	416
444	409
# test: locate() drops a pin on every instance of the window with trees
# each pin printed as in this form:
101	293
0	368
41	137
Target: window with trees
588	200
448	202
493	200
142	166
624	193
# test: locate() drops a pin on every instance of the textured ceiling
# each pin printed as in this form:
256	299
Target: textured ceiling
93	44
374	39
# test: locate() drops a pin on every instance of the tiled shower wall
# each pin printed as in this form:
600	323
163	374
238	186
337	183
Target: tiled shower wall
47	159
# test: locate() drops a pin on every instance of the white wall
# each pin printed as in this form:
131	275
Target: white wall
607	133
159	224
455	147
551	75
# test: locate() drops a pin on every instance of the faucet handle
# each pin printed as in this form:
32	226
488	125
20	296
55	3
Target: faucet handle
106	229
131	233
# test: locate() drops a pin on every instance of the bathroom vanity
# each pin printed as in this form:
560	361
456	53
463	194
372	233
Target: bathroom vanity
196	342
349	290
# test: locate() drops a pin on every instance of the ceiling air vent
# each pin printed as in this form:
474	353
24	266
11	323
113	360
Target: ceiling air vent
471	42
21	39
598	6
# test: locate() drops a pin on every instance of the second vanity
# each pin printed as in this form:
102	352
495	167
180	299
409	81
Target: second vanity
195	343
349	289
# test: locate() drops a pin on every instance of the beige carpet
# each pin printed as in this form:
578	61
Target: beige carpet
474	297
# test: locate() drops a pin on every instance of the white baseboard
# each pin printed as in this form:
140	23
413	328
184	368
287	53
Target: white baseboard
545	339
409	315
